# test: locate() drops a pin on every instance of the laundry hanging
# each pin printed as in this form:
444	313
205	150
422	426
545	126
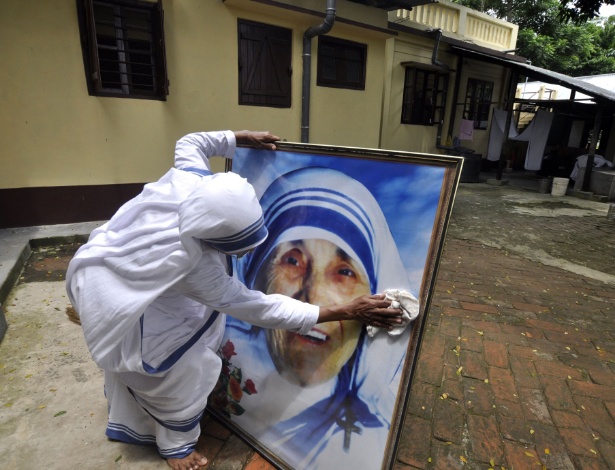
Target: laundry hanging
466	131
536	135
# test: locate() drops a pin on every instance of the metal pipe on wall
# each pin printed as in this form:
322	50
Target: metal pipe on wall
310	33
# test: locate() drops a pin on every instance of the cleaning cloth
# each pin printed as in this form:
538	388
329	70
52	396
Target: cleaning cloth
407	303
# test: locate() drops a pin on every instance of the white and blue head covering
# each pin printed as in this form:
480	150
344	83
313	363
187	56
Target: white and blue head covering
321	203
224	212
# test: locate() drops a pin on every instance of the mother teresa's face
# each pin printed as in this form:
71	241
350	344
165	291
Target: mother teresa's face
319	272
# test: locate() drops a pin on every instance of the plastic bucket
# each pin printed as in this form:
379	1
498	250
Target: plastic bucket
560	185
544	185
470	173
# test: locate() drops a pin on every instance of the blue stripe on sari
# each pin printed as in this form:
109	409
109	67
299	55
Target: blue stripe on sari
198	171
179	352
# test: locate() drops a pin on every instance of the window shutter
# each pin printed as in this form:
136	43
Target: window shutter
264	64
93	47
162	78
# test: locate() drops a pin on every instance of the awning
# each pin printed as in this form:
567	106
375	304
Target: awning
600	95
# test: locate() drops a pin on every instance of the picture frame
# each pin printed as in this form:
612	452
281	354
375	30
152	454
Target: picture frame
352	221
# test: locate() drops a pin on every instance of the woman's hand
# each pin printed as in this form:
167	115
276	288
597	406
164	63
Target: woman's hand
261	139
372	310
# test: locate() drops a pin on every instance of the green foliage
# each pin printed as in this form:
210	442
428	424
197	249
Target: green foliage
555	40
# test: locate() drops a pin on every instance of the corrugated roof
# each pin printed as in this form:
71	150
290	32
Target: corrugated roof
599	94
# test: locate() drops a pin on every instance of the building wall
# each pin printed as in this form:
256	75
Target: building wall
418	138
52	133
396	135
487	72
67	156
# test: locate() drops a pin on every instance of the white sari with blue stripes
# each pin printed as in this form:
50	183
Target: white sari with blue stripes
149	286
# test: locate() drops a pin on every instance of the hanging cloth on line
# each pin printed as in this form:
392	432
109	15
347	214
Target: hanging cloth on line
536	135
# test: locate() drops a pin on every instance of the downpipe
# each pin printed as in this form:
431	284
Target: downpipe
310	33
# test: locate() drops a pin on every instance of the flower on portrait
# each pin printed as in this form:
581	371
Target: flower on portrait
234	389
228	350
249	387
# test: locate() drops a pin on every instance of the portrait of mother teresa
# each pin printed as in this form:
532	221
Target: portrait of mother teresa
325	399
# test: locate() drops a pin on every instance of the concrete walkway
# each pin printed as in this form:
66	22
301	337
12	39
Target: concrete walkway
516	370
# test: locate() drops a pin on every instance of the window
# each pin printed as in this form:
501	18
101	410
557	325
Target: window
341	64
123	48
424	96
265	70
478	102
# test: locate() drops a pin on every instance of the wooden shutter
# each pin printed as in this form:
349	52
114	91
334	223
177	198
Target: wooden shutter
95	78
162	79
264	64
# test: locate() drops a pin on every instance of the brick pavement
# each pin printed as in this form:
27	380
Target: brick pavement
517	367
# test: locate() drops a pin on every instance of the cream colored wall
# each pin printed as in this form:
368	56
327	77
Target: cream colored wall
480	71
395	135
398	136
337	116
52	133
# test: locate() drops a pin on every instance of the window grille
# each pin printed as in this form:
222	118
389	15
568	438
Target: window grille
424	98
124	48
341	63
478	102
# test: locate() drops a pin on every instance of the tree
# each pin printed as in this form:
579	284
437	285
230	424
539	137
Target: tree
551	41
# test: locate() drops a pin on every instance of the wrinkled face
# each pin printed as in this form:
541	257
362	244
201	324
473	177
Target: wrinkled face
318	272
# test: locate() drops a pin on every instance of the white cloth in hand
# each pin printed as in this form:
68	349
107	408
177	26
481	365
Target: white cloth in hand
407	303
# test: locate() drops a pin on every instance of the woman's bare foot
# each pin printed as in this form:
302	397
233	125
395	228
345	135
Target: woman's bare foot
194	461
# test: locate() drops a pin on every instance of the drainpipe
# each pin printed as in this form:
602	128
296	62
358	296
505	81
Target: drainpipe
436	46
322	29
437	63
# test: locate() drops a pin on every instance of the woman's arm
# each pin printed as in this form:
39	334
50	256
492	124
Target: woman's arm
195	150
263	139
370	309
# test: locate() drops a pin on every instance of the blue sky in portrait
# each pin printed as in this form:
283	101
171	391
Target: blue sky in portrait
408	193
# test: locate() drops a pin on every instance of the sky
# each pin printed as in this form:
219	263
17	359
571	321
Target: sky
607	10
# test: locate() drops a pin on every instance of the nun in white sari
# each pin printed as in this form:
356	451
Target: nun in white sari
313	405
149	286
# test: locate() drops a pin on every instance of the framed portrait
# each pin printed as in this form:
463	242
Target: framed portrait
342	222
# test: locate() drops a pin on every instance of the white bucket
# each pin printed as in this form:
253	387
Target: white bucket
559	186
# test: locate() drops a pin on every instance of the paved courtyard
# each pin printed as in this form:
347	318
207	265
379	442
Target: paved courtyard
516	369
